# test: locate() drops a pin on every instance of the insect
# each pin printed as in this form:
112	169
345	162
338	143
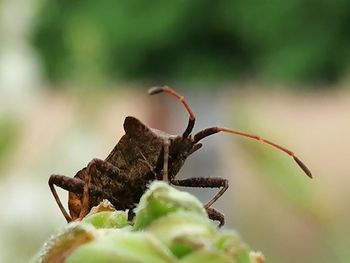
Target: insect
142	155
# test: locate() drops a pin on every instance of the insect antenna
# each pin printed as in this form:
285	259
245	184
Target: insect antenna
192	117
210	131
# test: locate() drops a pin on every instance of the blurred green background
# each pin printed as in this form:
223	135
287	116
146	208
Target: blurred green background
299	41
71	71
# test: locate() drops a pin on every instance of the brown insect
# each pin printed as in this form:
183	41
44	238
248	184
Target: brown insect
142	155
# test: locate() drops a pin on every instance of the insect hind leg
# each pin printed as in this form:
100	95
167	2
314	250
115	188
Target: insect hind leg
66	183
74	185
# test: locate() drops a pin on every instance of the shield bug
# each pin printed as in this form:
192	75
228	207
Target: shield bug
142	155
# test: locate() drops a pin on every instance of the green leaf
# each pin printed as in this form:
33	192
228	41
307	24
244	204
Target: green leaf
171	227
59	246
207	256
162	199
108	219
119	246
184	232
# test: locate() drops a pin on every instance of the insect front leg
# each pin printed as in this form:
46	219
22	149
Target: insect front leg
207	182
166	160
214	214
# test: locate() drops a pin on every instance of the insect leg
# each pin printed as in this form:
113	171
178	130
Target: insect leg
85	206
106	168
70	184
74	185
91	171
60	181
166	160
205	182
214	214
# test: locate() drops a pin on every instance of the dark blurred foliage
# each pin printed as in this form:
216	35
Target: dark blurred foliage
297	40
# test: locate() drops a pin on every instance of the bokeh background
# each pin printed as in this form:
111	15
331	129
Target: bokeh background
71	71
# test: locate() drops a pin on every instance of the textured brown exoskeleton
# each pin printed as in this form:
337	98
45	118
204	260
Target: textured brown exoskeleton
142	155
